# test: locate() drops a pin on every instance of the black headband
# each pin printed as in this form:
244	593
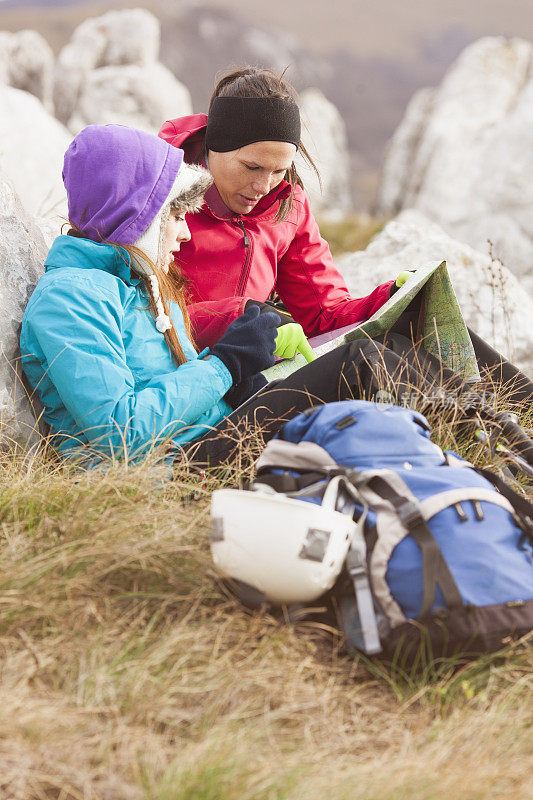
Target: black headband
234	122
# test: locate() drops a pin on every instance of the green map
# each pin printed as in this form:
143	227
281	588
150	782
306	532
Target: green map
441	327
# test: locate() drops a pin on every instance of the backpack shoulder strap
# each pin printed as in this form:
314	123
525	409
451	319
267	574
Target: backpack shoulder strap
285	482
311	461
304	456
451	497
407	509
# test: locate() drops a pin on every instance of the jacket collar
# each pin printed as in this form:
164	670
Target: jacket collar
70	251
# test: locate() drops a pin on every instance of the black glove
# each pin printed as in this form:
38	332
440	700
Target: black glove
237	395
248	345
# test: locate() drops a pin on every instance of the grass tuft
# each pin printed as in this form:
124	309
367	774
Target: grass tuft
128	672
351	233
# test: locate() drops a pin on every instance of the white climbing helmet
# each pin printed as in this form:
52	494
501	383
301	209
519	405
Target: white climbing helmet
282	549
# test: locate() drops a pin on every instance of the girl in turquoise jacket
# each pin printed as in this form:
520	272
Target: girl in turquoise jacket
106	340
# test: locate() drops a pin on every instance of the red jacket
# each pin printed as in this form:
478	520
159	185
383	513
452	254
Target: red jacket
232	258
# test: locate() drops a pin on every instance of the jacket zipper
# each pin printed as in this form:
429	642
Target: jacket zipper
240	223
248	245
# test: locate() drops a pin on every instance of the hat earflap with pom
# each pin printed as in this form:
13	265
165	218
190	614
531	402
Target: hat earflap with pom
185	197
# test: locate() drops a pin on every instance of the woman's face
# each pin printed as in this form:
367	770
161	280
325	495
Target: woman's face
177	232
244	176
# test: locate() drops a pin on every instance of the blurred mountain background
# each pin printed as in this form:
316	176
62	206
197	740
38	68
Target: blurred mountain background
368	58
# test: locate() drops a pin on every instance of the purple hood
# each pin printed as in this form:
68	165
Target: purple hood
117	179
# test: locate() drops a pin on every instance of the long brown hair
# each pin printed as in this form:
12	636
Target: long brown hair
259	82
171	287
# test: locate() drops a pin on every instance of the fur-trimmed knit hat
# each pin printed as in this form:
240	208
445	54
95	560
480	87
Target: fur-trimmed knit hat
121	183
185	197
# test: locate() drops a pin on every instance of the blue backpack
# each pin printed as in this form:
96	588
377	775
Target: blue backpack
445	561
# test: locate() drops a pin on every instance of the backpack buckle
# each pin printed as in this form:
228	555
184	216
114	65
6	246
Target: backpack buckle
409	514
365	611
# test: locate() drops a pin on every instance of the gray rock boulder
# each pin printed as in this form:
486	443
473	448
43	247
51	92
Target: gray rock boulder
140	96
200	38
114	39
462	155
324	136
109	72
27	63
32	145
397	182
492	300
22	255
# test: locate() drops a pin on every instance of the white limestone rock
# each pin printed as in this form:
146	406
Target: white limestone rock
50	228
462	154
27	62
200	39
117	38
324	136
32	146
493	302
140	96
397	179
22	255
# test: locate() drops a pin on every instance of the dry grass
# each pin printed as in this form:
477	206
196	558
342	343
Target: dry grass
128	672
351	233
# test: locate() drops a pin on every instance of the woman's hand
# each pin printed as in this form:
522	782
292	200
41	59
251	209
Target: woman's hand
291	339
404	276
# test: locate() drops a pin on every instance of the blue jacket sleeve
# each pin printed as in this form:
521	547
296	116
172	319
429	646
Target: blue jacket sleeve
78	335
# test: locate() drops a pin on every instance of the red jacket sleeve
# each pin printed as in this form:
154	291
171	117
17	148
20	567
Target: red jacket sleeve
210	318
311	286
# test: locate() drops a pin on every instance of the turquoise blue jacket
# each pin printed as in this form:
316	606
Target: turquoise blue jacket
103	372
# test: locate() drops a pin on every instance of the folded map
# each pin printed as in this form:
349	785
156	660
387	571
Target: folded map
441	326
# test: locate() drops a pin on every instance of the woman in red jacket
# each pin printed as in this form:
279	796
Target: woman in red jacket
255	233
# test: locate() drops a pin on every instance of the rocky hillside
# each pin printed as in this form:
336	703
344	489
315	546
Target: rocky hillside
110	71
462	154
368	85
367	62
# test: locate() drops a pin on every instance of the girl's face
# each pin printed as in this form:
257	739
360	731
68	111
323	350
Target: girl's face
177	232
244	176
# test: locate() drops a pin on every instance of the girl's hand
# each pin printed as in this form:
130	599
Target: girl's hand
248	344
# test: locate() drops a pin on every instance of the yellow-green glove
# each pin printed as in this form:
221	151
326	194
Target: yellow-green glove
291	339
403	277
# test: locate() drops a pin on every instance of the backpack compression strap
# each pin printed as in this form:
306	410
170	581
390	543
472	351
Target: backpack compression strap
520	504
523	507
435	569
287	482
